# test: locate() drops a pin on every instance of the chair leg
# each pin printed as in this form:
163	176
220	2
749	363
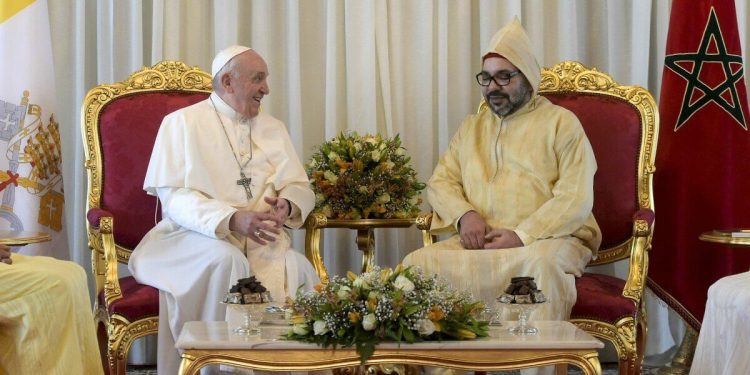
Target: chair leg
101	338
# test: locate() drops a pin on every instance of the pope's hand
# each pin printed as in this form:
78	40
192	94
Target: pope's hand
280	208
5	254
260	227
473	229
502	239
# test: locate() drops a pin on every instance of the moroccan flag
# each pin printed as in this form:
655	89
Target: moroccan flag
30	165
702	179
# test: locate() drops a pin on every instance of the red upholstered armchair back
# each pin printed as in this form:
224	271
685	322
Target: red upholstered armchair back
613	128
127	130
621	123
120	122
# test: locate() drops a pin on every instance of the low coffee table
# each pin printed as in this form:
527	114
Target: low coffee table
205	343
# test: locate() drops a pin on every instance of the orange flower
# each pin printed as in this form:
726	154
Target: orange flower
435	314
353	316
318	287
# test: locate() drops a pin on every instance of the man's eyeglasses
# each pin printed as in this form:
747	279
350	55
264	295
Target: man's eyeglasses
501	78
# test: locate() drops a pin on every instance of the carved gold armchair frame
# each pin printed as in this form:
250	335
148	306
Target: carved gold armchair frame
106	250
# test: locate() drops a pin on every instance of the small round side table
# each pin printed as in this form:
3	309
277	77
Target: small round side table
732	237
22	237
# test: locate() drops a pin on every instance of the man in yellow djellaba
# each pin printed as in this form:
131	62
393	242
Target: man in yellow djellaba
515	187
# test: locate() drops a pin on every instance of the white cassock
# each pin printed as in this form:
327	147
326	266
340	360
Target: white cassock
190	255
724	342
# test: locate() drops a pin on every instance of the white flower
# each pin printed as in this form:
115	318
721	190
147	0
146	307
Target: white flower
300	329
402	282
369	322
374	294
362	189
425	327
333	155
413	200
320	327
320	198
361	283
343	292
385	198
357	147
375	155
371	140
400	151
389	165
330	176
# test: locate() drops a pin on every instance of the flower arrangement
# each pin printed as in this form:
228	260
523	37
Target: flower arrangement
401	305
361	177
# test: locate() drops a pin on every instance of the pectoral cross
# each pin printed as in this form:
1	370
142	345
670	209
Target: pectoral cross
245	182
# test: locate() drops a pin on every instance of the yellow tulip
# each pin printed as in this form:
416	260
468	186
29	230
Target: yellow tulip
298	319
465	334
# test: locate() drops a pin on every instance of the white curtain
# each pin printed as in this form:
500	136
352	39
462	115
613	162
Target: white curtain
392	67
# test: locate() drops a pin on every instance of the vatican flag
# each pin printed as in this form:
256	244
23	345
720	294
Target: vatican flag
31	187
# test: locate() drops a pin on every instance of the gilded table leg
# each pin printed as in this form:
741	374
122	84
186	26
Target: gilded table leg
312	252
683	359
593	366
366	244
186	366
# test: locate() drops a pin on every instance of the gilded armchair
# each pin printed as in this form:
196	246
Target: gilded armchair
119	126
621	123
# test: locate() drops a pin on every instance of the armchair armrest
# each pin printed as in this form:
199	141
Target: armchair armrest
643	222
104	257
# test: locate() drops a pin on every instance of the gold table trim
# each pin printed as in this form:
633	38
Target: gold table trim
725	237
210	343
22	238
308	360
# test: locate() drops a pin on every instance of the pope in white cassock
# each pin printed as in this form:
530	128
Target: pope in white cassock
515	187
228	179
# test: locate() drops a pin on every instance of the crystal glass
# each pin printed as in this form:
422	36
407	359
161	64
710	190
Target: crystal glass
523	310
492	314
252	315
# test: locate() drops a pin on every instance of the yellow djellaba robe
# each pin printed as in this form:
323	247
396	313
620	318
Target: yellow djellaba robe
46	320
532	172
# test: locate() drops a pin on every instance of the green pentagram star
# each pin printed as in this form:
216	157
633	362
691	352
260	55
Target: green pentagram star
692	77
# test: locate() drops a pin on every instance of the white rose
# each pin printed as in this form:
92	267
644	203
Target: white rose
389	165
400	151
425	327
403	283
343	292
385	198
300	329
357	147
330	176
371	140
360	282
375	155
320	327
369	322
333	155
